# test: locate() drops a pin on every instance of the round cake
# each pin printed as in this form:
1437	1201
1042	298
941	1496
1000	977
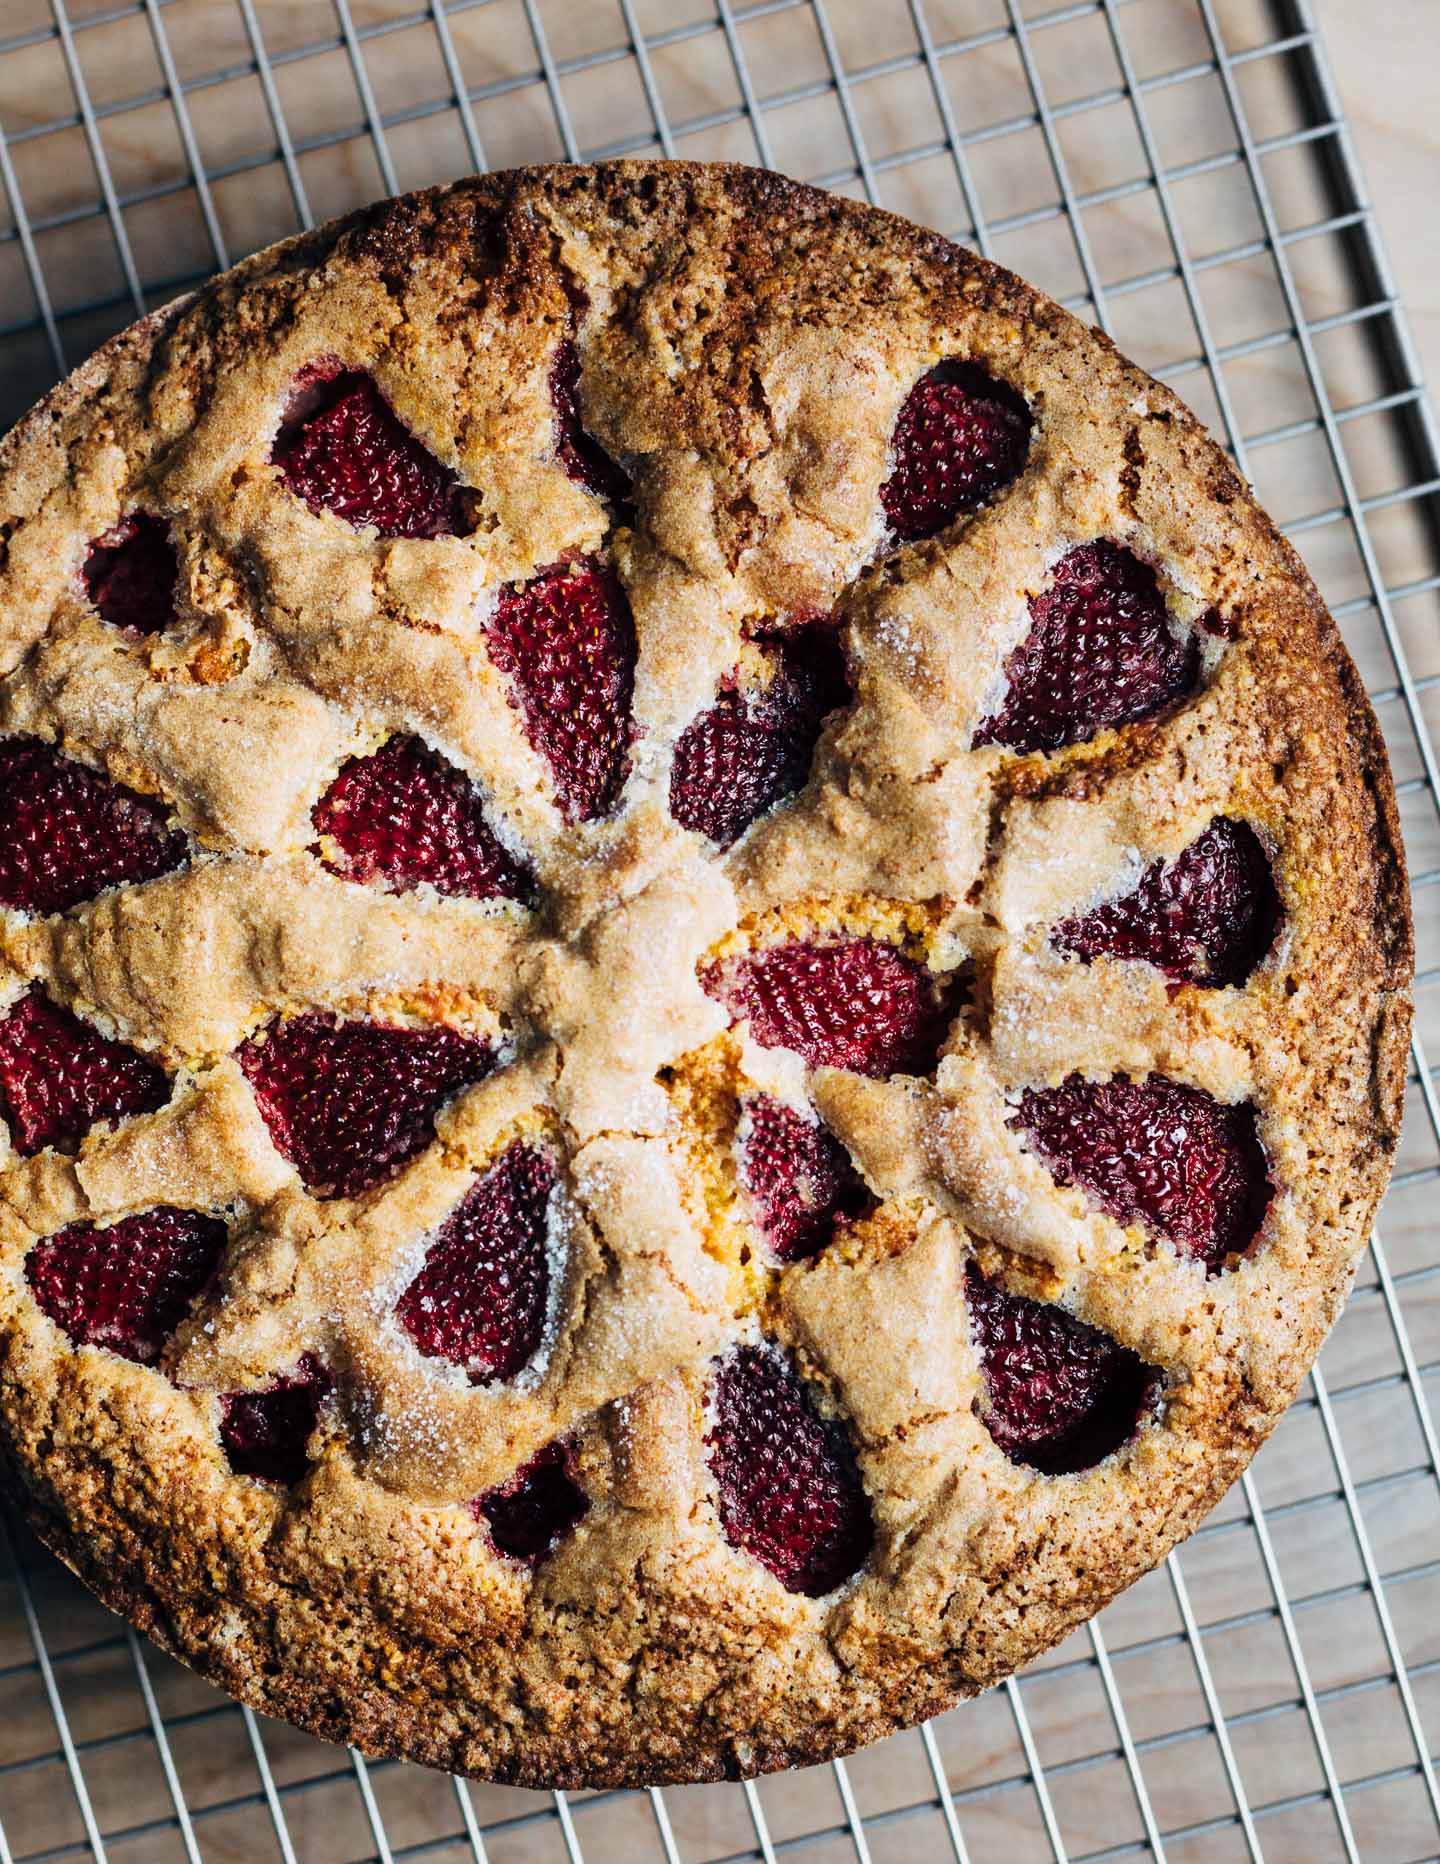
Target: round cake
705	975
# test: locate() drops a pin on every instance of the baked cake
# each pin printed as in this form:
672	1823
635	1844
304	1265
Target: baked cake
705	974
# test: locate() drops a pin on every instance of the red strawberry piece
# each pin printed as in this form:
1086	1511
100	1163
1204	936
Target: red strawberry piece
565	643
342	448
845	1002
1060	1395
130	1285
348	1103
479	1299
405	815
70	833
265	1432
787	1488
959	438
799	1177
1210	915
131	572
753	748
580	453
542	1502
59	1076
1101	652
1156	1153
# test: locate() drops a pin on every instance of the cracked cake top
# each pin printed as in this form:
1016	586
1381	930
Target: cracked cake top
703	974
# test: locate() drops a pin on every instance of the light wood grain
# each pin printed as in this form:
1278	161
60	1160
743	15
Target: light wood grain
1384	61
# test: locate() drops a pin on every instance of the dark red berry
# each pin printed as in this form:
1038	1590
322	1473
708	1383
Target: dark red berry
348	1103
342	448
1060	1395
1101	652
536	1508
798	1175
959	437
845	1002
405	815
787	1488
479	1299
1156	1153
131	572
753	748
565	642
67	833
59	1076
265	1432
580	453
1209	915
130	1285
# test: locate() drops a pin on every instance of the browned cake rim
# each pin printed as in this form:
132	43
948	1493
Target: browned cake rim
1338	1073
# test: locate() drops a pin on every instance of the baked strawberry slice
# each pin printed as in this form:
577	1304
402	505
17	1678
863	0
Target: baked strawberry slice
960	437
68	833
349	1103
799	1177
1156	1153
1102	651
129	1285
839	1002
342	448
527	1517
753	747
480	1296
1210	915
1060	1396
565	645
59	1076
787	1487
266	1433
407	816
130	573
580	453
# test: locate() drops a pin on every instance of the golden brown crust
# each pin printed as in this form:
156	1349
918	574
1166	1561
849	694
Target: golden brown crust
745	345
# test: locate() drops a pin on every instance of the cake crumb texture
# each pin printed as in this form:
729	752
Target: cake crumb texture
962	637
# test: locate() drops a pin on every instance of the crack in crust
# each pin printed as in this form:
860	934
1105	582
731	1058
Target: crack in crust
743	346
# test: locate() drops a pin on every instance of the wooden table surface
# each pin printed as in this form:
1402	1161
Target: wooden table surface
1385	57
1386	54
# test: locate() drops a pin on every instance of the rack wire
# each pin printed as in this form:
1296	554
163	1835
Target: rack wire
1180	172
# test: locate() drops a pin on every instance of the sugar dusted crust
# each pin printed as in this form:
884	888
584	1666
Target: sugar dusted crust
745	345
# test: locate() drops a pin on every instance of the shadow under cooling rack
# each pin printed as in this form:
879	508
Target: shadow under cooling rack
1177	171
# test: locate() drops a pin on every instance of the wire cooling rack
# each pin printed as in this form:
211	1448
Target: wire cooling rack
1179	172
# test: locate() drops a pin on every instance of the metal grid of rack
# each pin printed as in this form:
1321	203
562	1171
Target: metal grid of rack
1179	172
